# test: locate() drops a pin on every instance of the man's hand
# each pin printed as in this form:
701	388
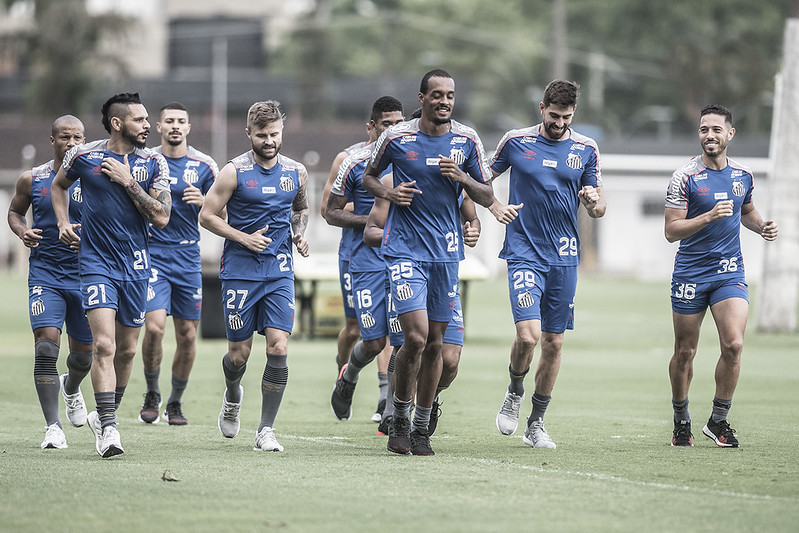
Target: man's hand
449	169
257	241
470	234
721	210
117	172
68	234
301	244
769	230
192	195
505	214
403	193
31	237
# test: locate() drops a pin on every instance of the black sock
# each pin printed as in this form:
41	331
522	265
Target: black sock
681	410
273	384
45	377
517	381
233	375
540	404
79	365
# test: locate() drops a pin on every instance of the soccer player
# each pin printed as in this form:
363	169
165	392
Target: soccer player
434	159
554	169
265	194
367	267
707	201
54	286
125	188
175	267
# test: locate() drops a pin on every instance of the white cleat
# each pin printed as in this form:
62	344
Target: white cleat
265	441
229	415
76	407
537	437
54	437
110	443
508	416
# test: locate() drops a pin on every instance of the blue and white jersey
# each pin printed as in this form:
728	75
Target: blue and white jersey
713	252
195	169
114	235
52	263
262	197
345	244
430	228
545	176
348	184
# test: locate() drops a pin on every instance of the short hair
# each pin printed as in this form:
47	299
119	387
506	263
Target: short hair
561	93
118	106
262	113
417	113
66	119
174	105
435	73
717	109
385	104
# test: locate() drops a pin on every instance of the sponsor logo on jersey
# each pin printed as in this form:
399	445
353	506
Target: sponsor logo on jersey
234	321
458	155
37	307
45	192
412	156
191	163
703	191
736	174
404	291
150	292
524	299
190	176
458	140
549	163
574	161
286	183
527	139
432	161
738	188
140	173
700	177
529	154
580	147
251	184
268	190
408	139
720	196
94	155
362	154
140	319
367	320
77	194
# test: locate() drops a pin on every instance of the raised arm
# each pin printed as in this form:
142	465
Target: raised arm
752	221
679	227
593	200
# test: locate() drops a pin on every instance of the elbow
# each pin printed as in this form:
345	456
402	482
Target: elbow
670	236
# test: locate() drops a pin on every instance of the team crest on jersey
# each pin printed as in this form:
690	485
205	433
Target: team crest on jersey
235	322
394	325
140	173
367	320
404	291
37	307
190	176
457	155
738	188
524	299
150	292
286	183
574	161
77	194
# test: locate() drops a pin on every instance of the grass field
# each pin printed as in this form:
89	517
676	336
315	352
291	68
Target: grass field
613	469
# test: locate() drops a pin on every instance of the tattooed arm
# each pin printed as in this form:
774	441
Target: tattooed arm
155	206
299	215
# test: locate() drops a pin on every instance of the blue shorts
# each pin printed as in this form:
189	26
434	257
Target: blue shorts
345	280
176	282
693	298
452	335
50	307
416	285
369	292
251	306
129	298
543	293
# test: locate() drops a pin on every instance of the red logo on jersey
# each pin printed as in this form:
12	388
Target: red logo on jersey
412	156
251	184
45	191
703	191
529	154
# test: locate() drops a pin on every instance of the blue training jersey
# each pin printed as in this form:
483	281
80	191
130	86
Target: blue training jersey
114	234
52	263
348	184
262	197
430	228
345	243
713	252
195	169
545	176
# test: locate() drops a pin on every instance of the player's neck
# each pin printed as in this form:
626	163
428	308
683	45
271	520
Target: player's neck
718	162
434	128
175	152
265	163
120	146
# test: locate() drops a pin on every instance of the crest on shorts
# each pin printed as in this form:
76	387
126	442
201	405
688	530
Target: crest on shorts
235	322
367	320
524	299
404	291
150	292
394	325
37	307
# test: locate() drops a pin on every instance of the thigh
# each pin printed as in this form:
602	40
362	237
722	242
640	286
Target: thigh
369	294
442	290
408	280
276	306
526	284
132	303
240	305
557	305
77	324
46	307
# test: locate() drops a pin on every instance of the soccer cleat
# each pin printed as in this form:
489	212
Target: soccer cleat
435	414
150	408
508	416
682	434
420	442
382	429
265	441
76	407
536	436
174	414
54	437
378	416
721	433
229	415
94	424
341	400
110	444
399	435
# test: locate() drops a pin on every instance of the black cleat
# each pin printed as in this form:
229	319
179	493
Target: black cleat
174	414
341	400
682	434
420	443
721	433
399	431
150	408
435	414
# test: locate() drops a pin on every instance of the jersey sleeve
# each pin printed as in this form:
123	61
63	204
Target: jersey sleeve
499	162
592	175
676	195
69	160
161	178
339	185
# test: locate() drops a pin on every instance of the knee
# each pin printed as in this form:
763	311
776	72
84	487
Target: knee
374	347
731	349
45	357
104	347
414	341
154	330
450	360
526	341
